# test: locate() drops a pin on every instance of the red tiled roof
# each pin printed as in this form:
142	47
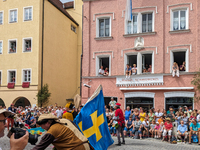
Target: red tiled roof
59	5
69	5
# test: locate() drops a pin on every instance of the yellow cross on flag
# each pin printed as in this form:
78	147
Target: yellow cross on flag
97	121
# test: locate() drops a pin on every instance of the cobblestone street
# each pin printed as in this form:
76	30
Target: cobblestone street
145	144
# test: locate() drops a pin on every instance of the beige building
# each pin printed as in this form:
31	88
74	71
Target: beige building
38	45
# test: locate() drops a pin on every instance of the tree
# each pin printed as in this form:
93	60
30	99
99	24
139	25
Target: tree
196	83
43	95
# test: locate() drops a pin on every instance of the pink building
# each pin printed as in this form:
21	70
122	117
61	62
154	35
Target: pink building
160	33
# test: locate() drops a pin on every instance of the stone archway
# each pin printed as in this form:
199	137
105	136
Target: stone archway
21	101
2	103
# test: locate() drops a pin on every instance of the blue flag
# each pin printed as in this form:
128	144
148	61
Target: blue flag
93	123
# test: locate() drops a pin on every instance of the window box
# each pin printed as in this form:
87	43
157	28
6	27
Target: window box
25	84
11	85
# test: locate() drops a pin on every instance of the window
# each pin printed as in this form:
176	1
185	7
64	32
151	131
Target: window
179	20
13	16
27	75
73	28
147	22
27	45
180	57
136	102
146	63
132	59
1	18
27	13
132	25
11	76
104	27
105	61
1	47
12	46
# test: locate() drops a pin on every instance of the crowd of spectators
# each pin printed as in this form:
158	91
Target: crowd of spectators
140	123
27	116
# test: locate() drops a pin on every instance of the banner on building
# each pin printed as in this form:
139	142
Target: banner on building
145	80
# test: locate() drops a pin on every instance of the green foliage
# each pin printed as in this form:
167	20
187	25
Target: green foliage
43	95
196	83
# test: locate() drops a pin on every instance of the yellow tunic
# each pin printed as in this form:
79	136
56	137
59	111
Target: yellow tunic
68	115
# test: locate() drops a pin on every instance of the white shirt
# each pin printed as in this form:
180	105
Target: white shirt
158	115
198	118
101	71
144	123
59	113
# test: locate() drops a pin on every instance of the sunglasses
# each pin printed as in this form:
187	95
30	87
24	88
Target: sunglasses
4	121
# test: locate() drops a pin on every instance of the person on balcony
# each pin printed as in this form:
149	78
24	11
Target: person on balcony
106	73
175	70
134	69
150	68
101	71
128	71
182	67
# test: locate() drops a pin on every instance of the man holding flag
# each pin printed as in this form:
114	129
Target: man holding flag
93	123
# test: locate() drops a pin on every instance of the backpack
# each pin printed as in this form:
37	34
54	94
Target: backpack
194	138
173	140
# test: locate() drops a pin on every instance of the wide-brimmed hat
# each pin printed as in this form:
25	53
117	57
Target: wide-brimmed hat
171	109
5	112
168	119
45	117
69	105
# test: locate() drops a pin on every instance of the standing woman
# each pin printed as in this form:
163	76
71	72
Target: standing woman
119	117
142	115
151	116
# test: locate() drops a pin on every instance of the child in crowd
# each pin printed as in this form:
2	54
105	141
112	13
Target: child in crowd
157	128
161	130
152	128
160	120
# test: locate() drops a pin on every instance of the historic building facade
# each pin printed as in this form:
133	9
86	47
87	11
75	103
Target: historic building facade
159	34
38	45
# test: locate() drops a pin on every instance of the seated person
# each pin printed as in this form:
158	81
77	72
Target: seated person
161	129
160	120
145	126
128	71
134	69
152	128
101	71
157	128
128	126
137	126
175	70
171	114
182	67
144	71
111	126
106	73
182	131
167	129
194	129
149	69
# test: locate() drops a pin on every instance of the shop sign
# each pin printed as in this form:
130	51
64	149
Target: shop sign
146	80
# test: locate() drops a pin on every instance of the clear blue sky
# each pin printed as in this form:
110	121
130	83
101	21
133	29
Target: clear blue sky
64	1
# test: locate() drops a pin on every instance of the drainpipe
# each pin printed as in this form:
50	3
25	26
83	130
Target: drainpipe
81	57
42	44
